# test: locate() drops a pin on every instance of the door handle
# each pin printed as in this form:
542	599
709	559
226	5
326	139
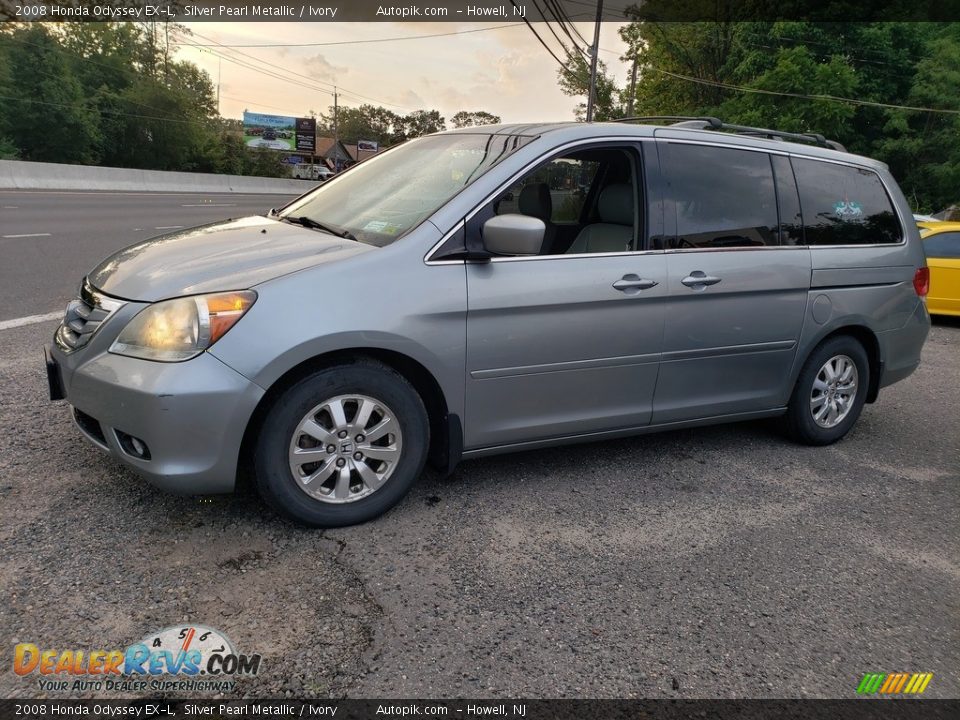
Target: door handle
631	284
699	280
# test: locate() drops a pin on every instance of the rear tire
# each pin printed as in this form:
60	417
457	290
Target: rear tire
830	392
342	446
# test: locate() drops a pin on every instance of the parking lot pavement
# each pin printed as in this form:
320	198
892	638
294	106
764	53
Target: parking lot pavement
715	562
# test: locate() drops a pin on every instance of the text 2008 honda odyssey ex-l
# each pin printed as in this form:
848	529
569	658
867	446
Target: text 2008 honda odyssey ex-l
496	289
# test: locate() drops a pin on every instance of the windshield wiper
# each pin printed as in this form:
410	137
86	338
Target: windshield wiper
308	222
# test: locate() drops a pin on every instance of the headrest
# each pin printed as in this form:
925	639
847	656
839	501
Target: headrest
616	205
535	201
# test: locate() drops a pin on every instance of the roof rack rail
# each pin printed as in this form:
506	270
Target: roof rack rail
712	123
673	119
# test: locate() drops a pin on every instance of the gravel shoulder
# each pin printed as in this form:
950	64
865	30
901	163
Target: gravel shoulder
717	562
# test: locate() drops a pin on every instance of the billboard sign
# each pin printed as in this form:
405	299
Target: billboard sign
368	146
306	135
275	132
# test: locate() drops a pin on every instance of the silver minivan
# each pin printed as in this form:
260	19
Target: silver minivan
496	289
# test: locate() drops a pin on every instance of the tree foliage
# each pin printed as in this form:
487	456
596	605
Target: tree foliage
574	80
466	118
794	76
372	122
110	94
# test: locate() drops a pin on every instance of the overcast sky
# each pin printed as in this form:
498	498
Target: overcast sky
503	71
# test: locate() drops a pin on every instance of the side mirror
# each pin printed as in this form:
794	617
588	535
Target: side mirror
513	235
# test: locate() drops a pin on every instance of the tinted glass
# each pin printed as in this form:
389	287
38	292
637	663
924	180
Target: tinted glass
791	220
723	197
843	205
942	245
383	197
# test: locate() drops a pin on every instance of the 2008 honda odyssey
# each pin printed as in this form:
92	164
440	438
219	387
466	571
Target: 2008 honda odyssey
496	289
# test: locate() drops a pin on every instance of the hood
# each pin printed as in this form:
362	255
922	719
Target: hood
233	255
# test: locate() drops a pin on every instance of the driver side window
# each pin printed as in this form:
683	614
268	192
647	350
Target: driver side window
588	201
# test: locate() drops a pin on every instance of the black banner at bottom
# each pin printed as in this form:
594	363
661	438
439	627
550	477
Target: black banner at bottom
855	709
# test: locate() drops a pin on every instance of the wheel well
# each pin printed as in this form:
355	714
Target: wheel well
415	373
870	343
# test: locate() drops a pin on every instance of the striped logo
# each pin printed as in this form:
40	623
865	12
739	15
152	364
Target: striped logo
893	683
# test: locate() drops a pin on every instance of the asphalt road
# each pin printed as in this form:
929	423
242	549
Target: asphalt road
717	562
50	240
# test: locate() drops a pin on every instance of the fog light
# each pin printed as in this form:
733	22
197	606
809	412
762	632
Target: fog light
133	445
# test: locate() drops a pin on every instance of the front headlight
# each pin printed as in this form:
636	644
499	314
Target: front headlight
182	328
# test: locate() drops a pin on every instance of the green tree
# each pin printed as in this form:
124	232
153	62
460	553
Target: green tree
922	147
422	122
797	76
8	151
45	113
367	122
474	118
574	80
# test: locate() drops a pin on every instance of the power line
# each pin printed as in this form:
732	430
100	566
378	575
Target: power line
292	72
107	112
562	65
270	73
801	96
354	42
553	32
121	69
562	16
255	104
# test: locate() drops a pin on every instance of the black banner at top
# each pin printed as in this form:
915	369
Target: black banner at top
492	11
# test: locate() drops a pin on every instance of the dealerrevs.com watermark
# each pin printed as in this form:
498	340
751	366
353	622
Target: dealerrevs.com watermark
188	658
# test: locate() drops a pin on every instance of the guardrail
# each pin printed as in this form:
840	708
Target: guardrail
22	175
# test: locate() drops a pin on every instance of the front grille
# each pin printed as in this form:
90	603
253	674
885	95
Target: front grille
84	316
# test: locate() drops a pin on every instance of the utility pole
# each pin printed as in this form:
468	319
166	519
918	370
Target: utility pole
219	70
633	85
336	132
594	51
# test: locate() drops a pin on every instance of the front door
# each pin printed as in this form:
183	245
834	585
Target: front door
567	342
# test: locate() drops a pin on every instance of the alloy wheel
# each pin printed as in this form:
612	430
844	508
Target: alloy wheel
345	449
834	391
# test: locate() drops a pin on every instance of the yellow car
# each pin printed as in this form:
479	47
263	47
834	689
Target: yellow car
941	242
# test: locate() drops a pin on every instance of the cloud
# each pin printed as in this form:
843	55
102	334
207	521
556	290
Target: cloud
411	99
323	69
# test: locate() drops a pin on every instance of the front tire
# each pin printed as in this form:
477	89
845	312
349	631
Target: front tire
342	446
830	392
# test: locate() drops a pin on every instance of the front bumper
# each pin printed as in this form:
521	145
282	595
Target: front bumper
190	415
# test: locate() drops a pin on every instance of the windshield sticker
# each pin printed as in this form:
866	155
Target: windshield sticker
379	226
847	210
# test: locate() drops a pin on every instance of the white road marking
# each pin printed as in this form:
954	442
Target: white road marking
28	235
29	320
11	207
210	205
168	227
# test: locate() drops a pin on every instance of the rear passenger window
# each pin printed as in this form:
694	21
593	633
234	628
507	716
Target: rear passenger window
844	205
942	245
723	197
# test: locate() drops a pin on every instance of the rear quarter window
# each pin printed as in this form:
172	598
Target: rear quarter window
844	205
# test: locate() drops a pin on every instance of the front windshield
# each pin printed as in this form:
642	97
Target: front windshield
387	195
